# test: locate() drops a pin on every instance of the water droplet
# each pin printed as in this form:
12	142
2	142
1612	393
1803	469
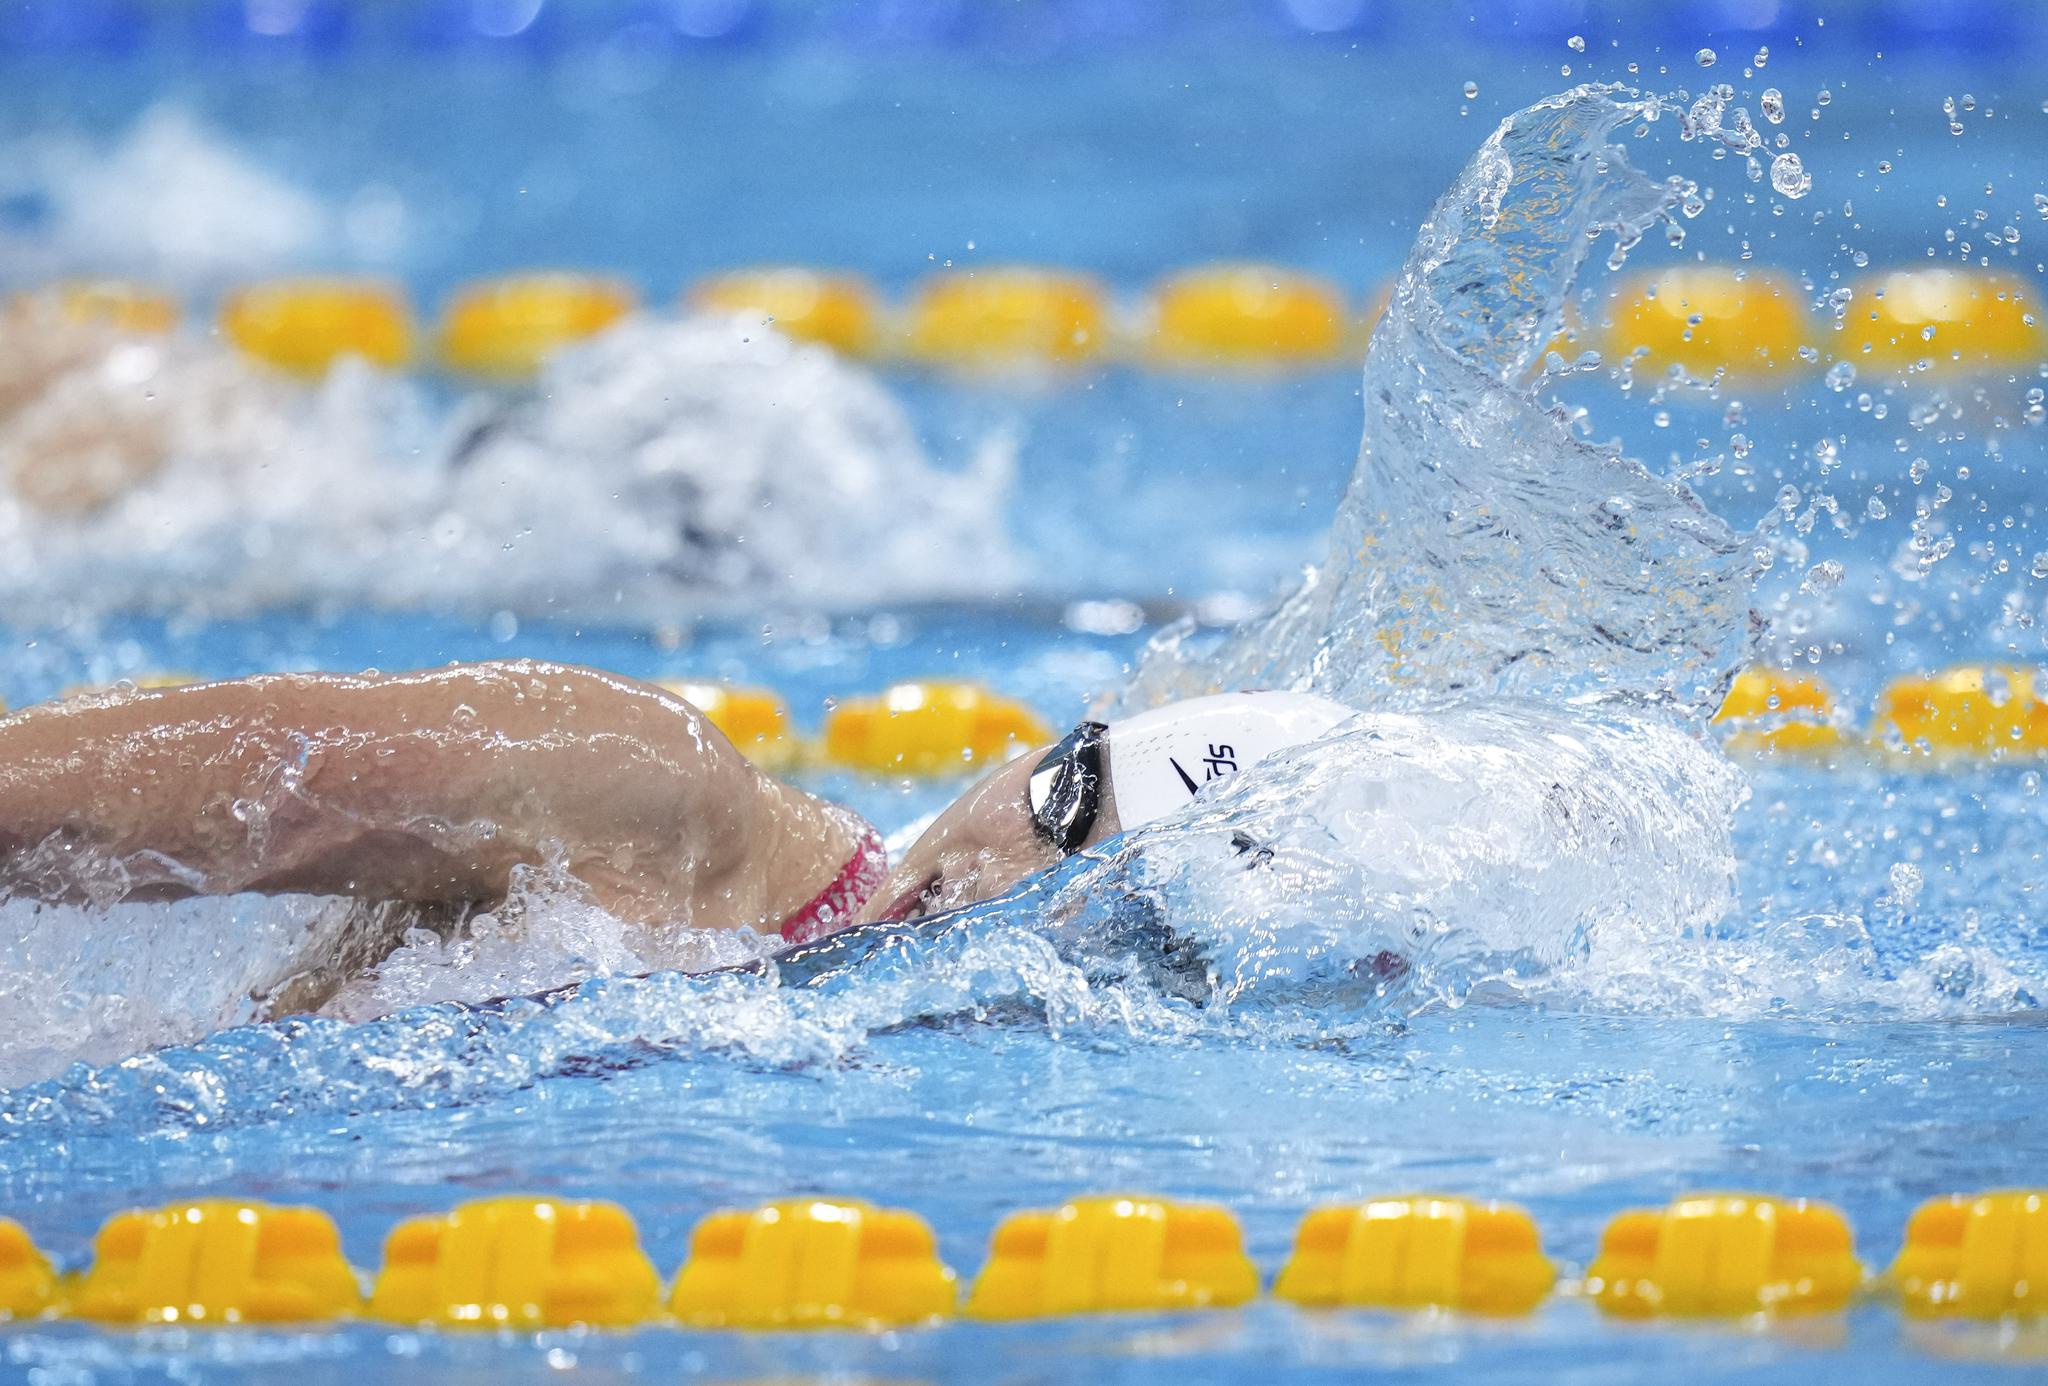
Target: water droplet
1823	577
1824	97
1789	176
1840	376
1471	90
1577	43
1706	57
2040	568
1907	882
1773	104
1763	56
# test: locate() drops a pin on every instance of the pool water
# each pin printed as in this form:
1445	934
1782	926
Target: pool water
968	1101
1862	1026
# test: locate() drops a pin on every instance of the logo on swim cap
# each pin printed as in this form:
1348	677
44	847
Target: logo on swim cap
1161	759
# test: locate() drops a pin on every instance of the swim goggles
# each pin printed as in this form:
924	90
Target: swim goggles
1066	788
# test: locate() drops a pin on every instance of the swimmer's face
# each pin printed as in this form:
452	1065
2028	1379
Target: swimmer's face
980	846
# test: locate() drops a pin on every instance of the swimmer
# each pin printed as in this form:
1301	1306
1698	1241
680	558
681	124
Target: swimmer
431	789
78	425
94	410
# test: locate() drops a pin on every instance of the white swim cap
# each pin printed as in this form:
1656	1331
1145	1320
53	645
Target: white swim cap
1161	759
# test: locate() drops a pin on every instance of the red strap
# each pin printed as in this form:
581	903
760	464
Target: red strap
834	907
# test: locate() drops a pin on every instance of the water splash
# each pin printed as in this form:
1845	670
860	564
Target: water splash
172	200
1412	859
1483	547
663	466
1519	812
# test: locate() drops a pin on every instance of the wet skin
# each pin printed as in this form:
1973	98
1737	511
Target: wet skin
432	787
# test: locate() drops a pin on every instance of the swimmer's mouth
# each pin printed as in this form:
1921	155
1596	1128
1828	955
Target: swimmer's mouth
911	903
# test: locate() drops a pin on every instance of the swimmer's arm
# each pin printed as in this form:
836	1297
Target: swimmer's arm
420	787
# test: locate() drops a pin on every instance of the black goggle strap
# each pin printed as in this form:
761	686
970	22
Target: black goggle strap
1066	788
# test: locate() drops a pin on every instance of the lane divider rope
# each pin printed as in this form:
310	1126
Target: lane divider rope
1751	323
525	1263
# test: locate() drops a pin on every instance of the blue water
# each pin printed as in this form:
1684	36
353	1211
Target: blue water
967	1115
1575	1116
1865	1065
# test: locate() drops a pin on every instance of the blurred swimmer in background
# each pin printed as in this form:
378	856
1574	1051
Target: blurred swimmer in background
431	789
76	427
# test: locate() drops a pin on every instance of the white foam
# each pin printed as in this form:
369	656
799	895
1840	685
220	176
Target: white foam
172	200
546	934
661	468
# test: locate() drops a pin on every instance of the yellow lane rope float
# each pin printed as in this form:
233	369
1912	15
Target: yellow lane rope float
1114	1253
216	1261
506	328
1779	712
1975	1256
28	1282
836	309
518	1263
1720	1255
1418	1252
1970	710
1710	318
1236	315
306	325
1007	317
1949	318
122	303
930	728
813	1263
831	1263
